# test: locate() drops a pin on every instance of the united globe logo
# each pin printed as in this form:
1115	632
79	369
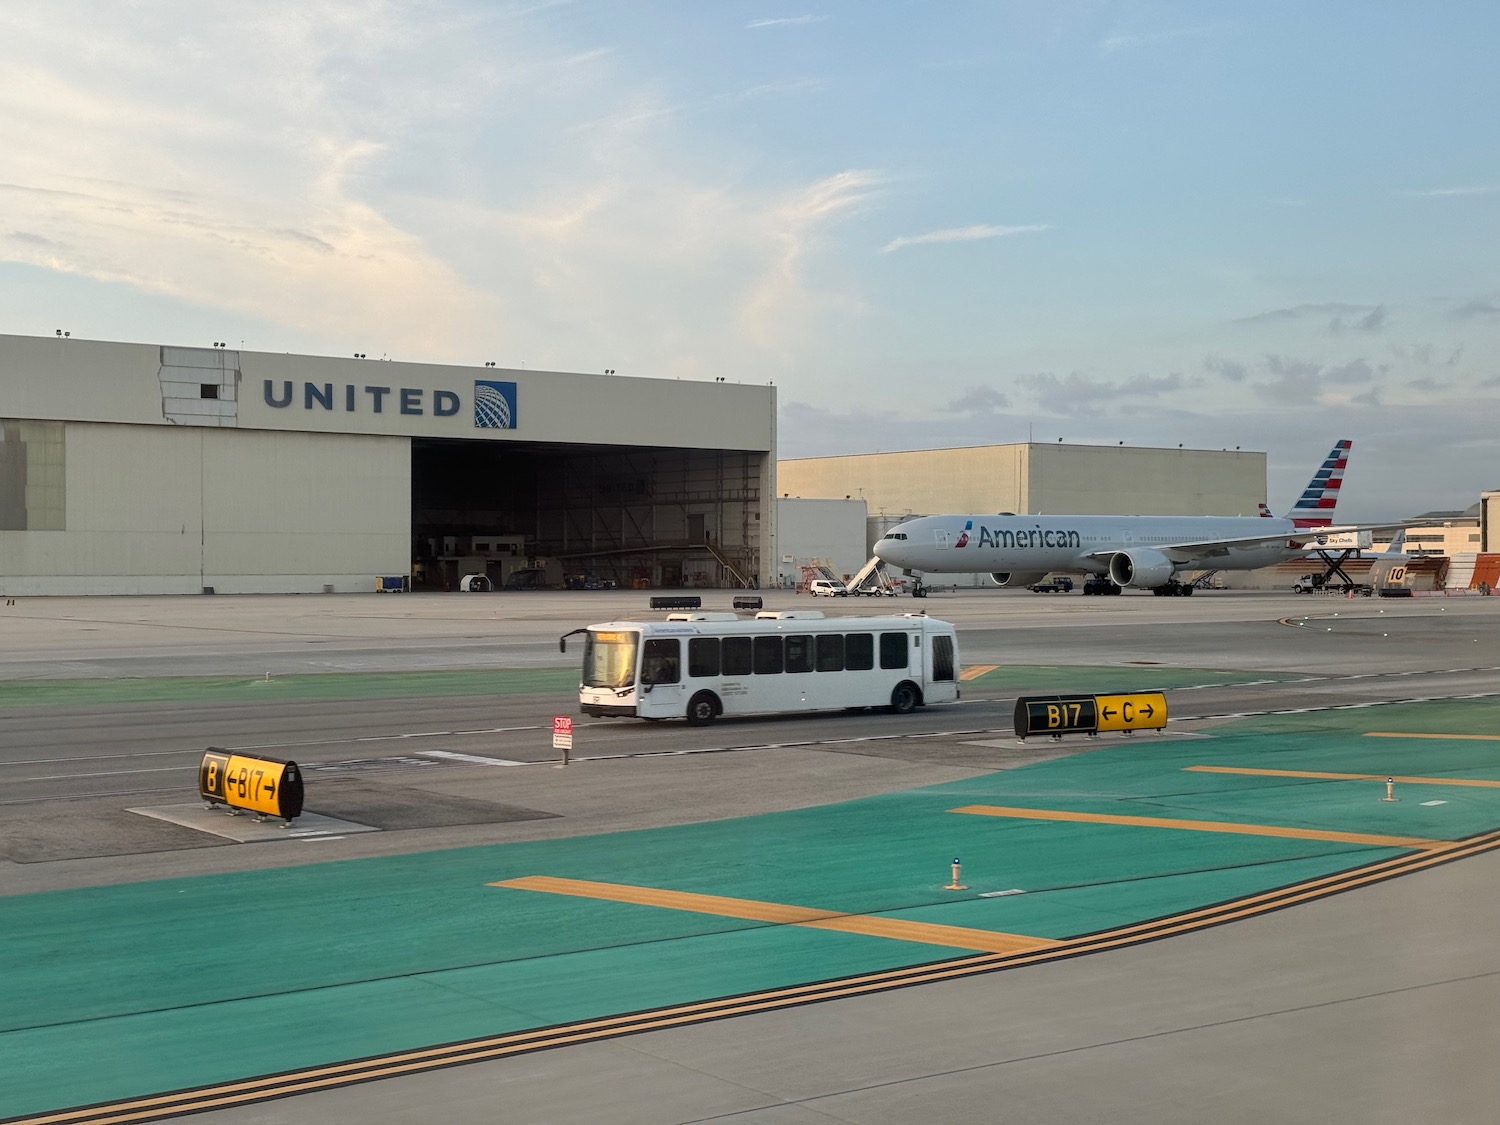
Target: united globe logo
494	405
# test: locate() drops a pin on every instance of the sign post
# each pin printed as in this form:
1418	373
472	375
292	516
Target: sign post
562	736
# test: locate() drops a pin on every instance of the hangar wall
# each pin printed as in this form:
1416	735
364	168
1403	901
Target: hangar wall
168	510
808	532
1037	478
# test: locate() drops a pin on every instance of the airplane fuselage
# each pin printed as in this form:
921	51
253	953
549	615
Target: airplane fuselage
1040	544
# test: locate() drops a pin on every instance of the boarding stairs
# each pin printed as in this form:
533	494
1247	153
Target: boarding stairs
875	568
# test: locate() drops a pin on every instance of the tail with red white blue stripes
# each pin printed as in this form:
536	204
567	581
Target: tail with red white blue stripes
1314	508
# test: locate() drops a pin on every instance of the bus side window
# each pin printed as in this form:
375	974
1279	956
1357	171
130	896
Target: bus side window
859	651
661	661
799	654
768	656
893	650
942	658
830	652
703	657
737	656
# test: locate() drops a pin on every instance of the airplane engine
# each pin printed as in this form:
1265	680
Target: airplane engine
1016	578
1144	569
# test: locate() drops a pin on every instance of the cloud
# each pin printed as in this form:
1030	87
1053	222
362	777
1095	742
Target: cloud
1077	394
1367	319
1301	383
433	185
1449	192
1477	310
978	400
776	90
1232	370
784	21
962	234
1120	42
31	239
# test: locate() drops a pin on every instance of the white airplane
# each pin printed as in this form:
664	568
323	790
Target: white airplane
1144	552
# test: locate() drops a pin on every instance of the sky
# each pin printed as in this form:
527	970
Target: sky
1265	225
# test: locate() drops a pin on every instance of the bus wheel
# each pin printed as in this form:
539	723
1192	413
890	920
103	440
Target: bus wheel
904	698
702	709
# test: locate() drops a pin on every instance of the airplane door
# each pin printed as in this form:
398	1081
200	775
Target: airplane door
940	538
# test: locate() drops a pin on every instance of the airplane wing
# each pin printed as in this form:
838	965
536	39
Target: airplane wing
1192	550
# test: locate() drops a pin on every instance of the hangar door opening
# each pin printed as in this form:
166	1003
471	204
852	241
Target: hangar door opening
552	515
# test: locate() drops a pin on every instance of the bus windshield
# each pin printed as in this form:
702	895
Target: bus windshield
609	658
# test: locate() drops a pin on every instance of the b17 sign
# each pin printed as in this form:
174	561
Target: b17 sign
1058	715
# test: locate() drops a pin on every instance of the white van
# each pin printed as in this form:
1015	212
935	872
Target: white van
827	588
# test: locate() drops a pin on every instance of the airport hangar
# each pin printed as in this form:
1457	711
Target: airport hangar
143	469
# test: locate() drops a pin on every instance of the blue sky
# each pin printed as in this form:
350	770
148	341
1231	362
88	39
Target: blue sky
1266	225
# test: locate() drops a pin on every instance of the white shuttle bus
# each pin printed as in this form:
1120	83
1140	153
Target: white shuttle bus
698	666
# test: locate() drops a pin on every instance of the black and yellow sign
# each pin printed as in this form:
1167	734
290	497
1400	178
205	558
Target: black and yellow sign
1142	711
1088	714
268	786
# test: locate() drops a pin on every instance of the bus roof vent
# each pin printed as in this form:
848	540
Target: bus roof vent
922	614
708	616
789	615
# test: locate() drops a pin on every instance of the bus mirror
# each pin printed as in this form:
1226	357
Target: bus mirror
562	644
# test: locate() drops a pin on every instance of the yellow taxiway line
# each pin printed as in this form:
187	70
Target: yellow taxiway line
974	671
955	937
1208	826
1474	781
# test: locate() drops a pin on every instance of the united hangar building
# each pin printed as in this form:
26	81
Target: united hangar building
139	469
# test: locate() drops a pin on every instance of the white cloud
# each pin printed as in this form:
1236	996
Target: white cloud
961	234
1446	192
441	187
1130	41
785	21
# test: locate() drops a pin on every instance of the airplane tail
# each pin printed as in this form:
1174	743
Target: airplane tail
1314	508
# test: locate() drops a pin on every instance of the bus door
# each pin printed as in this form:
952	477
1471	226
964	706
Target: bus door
662	689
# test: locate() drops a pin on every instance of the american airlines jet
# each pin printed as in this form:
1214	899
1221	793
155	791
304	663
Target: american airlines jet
1144	552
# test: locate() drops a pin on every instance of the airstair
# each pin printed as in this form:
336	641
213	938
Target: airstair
874	568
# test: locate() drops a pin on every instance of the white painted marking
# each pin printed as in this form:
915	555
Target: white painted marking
1002	894
379	738
1429	804
452	756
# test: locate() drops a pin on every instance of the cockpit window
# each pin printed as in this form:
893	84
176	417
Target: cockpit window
896	535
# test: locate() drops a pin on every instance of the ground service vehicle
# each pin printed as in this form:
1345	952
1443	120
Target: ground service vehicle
827	588
699	666
1060	584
